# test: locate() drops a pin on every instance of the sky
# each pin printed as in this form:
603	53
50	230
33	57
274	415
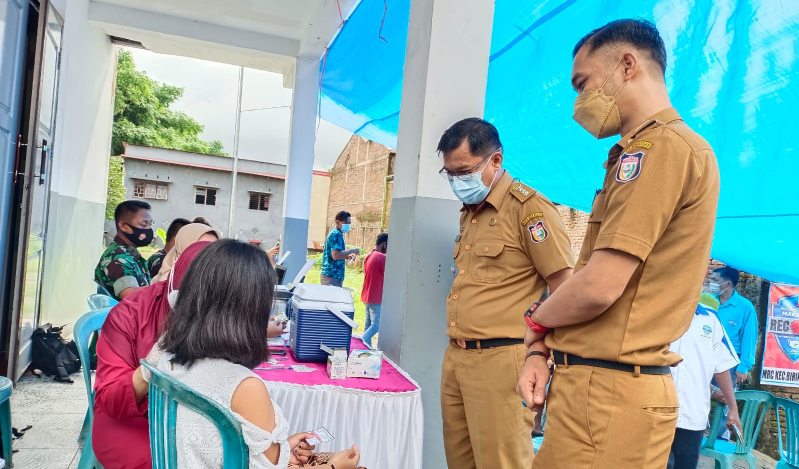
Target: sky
209	96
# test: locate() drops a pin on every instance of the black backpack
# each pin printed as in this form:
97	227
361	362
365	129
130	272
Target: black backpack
53	355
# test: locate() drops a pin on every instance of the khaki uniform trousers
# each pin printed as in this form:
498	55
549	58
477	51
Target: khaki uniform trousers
485	425
606	419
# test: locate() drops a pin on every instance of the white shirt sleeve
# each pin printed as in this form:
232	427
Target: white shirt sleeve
725	355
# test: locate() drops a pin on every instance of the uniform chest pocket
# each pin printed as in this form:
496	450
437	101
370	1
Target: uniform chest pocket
489	267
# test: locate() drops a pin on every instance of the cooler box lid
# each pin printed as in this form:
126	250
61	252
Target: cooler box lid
308	296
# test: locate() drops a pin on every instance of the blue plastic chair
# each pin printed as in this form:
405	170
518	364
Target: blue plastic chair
787	413
752	407
99	301
164	396
86	326
6	387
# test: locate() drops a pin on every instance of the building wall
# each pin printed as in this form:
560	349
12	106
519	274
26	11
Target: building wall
80	166
263	226
358	185
317	222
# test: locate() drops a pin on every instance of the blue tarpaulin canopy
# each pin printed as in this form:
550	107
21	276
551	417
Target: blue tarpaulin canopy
733	74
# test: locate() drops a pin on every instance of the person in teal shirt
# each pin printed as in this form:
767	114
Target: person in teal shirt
738	316
334	257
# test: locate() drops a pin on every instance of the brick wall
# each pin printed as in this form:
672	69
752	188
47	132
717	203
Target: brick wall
576	222
358	185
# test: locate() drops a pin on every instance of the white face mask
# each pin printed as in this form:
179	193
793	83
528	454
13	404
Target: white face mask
712	288
172	294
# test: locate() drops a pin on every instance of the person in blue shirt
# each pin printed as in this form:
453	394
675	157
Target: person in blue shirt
738	316
334	257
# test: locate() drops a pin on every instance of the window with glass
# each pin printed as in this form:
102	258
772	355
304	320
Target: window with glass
150	190
204	196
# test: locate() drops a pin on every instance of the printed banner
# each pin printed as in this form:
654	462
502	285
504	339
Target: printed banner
781	353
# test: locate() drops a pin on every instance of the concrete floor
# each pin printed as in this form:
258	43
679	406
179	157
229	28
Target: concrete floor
56	411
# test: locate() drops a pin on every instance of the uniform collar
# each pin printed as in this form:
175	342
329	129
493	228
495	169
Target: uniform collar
497	194
733	299
128	248
702	311
661	118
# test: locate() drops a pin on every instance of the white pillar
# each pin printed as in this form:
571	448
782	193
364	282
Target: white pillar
446	67
297	201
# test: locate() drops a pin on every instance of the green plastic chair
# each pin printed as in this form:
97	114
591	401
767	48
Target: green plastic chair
752	407
788	413
164	396
6	387
86	326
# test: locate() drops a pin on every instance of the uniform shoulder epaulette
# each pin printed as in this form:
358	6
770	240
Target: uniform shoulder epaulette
521	191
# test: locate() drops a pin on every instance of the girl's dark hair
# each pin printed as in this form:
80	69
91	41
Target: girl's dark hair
223	307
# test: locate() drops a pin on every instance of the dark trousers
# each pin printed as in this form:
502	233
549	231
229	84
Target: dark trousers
685	449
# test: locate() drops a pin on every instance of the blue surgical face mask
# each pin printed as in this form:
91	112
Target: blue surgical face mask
345	228
470	189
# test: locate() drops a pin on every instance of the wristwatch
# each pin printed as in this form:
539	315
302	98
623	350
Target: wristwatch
528	319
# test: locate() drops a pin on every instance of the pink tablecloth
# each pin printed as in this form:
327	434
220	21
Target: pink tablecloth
391	379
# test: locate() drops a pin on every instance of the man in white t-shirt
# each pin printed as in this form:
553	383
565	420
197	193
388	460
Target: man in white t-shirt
707	353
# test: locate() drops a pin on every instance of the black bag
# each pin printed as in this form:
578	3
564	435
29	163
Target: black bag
53	355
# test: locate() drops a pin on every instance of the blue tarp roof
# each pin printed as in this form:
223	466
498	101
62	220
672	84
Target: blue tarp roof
733	74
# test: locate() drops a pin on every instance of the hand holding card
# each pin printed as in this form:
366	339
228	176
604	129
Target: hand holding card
320	435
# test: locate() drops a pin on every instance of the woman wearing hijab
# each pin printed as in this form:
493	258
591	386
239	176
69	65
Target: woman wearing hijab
188	235
120	436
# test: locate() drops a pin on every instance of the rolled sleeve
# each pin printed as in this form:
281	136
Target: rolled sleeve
123	283
638	208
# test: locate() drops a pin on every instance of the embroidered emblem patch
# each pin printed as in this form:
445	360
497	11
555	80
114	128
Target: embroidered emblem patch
538	232
645	144
531	216
629	167
707	330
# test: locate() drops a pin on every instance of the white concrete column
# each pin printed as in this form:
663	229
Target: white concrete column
297	202
446	68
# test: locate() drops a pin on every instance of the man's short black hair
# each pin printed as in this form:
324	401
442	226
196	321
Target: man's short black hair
381	238
641	34
202	220
481	135
223	307
343	215
729	274
174	227
129	207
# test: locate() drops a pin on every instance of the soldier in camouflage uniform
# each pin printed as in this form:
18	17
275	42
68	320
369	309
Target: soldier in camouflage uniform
122	269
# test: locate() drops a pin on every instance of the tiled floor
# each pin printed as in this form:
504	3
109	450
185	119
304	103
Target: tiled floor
56	411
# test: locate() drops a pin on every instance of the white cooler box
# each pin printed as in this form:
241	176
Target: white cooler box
320	314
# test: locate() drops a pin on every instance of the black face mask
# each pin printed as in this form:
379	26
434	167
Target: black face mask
140	237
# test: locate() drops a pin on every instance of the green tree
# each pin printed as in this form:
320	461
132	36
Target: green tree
142	117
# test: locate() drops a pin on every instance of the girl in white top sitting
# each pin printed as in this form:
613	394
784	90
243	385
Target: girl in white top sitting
214	338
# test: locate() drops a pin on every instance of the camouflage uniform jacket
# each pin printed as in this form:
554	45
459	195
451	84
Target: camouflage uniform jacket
120	267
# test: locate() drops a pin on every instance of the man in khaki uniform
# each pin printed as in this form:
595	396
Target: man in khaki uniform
512	246
612	401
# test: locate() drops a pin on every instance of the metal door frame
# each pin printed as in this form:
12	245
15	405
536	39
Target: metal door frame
20	267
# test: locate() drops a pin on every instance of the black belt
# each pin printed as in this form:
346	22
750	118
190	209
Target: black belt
489	343
568	359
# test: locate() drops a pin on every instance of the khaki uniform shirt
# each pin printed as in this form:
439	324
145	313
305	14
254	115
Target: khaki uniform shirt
502	257
658	203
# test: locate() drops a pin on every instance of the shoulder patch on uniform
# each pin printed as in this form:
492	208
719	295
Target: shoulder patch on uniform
521	191
538	232
530	217
629	167
645	144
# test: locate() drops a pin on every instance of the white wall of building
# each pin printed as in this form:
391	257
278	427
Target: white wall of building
80	165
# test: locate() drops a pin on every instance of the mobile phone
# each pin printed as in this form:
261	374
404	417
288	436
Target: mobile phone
738	435
278	351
